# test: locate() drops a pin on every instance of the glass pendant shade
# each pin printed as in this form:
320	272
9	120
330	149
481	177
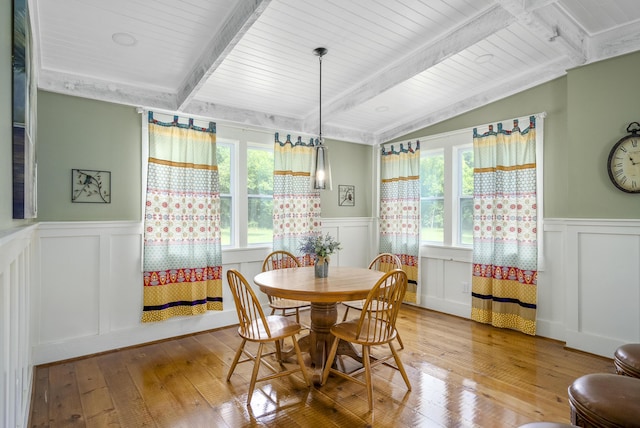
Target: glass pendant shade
321	169
321	172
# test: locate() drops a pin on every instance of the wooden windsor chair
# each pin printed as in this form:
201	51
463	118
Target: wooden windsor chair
256	327
376	326
281	259
384	262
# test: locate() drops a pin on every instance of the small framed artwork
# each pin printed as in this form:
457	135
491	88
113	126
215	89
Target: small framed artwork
90	186
346	195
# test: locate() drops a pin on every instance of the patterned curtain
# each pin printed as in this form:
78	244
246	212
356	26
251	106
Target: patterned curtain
400	210
505	256
296	207
182	252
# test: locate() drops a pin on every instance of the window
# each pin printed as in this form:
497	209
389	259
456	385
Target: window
260	195
245	171
465	195
224	153
432	196
446	189
245	166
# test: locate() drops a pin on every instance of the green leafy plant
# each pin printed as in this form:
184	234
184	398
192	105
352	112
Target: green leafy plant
319	246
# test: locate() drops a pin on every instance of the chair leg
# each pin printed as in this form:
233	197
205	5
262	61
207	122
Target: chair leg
400	366
236	359
344	318
367	375
303	369
279	344
329	362
254	374
298	315
399	341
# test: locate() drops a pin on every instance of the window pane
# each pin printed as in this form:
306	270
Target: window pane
466	221
223	154
260	191
225	220
465	196
432	196
432	175
466	171
260	228
432	220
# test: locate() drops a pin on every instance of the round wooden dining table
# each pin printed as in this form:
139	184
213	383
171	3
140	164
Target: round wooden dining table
300	283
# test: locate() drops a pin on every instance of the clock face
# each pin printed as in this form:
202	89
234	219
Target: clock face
624	164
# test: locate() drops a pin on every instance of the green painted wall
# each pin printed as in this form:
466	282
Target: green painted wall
588	110
350	164
85	134
80	133
603	100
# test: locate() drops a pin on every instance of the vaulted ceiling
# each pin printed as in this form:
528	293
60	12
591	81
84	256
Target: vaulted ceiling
393	66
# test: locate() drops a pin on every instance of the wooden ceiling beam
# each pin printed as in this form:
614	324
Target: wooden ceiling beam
240	21
119	93
532	78
551	23
429	55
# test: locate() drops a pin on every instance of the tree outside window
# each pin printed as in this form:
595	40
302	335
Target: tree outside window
260	195
432	196
224	154
465	196
446	189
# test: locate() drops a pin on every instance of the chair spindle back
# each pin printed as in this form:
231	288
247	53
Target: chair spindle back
385	262
279	259
380	311
250	314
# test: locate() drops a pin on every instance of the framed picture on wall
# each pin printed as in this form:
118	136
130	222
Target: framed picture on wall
346	195
90	186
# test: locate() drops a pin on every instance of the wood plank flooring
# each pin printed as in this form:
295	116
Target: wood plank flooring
463	374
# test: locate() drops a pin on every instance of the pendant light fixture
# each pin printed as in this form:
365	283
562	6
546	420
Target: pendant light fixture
321	171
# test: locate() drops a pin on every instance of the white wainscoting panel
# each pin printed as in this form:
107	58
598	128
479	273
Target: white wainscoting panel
588	292
91	291
91	288
551	311
70	285
88	296
355	235
17	263
601	283
445	280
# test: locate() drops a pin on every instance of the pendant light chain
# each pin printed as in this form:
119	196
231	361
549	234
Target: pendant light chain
320	52
320	101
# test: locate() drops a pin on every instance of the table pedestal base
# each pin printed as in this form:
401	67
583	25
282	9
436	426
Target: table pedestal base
323	317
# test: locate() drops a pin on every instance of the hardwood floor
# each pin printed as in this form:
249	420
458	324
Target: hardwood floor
463	374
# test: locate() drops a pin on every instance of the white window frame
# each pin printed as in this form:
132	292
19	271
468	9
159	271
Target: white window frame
457	191
242	139
450	143
255	146
432	152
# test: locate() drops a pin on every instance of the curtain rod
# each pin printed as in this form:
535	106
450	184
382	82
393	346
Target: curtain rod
540	115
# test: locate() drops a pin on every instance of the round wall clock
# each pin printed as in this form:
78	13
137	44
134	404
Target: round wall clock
624	161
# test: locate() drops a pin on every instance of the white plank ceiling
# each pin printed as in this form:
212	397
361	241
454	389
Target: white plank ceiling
393	66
